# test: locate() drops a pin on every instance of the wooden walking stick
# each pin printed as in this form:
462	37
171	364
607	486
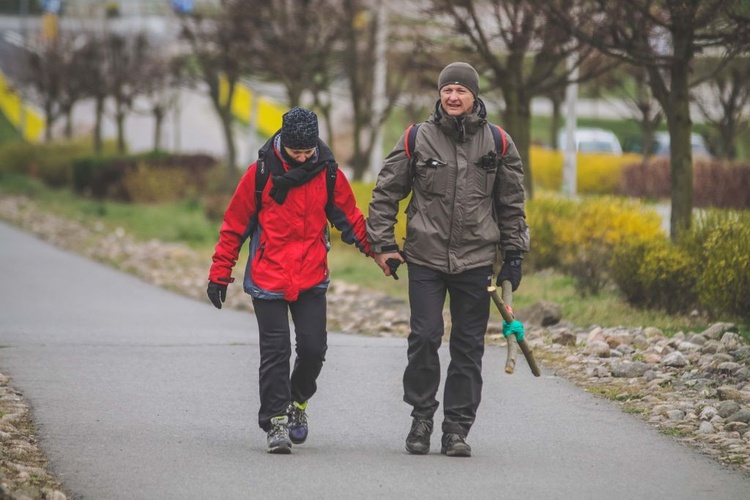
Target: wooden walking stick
513	343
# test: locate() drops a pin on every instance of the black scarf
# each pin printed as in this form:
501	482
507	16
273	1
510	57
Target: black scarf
299	173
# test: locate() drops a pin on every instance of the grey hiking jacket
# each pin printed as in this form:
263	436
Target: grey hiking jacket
462	208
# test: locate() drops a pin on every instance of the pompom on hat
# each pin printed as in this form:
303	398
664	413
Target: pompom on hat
460	73
299	129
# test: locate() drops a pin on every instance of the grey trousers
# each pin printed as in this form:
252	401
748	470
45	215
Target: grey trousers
470	310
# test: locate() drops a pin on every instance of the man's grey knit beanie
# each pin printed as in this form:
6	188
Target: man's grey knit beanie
460	73
299	129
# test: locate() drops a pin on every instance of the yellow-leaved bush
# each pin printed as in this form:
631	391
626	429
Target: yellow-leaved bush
596	173
580	236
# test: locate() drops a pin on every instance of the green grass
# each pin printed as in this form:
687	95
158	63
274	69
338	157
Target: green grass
8	133
183	221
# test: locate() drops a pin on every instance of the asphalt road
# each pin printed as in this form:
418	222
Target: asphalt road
140	393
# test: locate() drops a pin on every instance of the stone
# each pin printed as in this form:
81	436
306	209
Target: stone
728	367
707	413
675	359
743	415
727	408
564	337
628	369
542	313
727	392
730	341
716	330
598	348
706	428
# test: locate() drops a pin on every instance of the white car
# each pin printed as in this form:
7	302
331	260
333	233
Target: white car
697	144
592	140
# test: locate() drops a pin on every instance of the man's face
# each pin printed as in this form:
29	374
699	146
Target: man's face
456	100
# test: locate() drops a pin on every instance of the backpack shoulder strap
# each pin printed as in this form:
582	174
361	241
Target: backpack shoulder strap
411	139
331	174
501	143
262	172
410	144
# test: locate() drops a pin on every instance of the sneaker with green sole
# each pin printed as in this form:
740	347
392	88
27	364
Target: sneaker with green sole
297	422
278	436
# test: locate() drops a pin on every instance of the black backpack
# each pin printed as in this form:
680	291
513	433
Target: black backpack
262	173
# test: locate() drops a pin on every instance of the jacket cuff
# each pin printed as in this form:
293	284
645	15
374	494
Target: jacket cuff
391	247
513	255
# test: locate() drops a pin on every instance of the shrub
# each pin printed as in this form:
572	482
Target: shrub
724	284
147	184
596	173
587	239
51	163
543	215
657	274
716	183
122	178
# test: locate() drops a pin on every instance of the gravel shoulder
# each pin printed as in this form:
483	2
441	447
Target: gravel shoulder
694	386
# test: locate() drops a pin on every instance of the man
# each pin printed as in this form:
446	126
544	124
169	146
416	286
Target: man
467	202
287	270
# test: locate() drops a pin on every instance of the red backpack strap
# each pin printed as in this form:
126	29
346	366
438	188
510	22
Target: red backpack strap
501	143
411	139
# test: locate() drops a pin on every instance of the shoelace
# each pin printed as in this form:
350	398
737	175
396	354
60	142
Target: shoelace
422	427
297	417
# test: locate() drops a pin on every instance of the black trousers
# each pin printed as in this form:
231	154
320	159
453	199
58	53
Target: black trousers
277	389
470	310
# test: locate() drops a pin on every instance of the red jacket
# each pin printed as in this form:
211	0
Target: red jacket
288	248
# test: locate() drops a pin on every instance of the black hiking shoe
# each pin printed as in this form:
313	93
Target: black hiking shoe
418	440
297	422
278	436
455	445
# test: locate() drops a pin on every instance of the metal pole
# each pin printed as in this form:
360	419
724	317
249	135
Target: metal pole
570	165
379	89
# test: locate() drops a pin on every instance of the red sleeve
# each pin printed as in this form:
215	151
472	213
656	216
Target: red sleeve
239	220
347	217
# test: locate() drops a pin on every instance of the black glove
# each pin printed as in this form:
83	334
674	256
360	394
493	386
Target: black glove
511	270
217	293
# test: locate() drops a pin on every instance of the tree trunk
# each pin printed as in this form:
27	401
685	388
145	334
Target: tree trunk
555	125
518	125
158	122
681	160
50	119
98	125
120	119
224	111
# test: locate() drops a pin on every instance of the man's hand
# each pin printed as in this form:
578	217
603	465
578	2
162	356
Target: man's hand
381	259
217	293
511	270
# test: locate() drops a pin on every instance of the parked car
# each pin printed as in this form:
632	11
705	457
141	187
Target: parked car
697	144
592	140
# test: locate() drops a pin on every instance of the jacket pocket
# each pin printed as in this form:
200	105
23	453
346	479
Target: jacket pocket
431	176
484	181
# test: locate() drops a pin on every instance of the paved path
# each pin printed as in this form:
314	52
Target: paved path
140	393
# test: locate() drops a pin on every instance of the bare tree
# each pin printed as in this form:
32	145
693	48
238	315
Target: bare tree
525	54
724	103
218	41
163	76
663	36
359	61
127	56
292	42
96	85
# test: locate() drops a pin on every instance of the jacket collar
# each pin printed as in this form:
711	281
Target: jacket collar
460	128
